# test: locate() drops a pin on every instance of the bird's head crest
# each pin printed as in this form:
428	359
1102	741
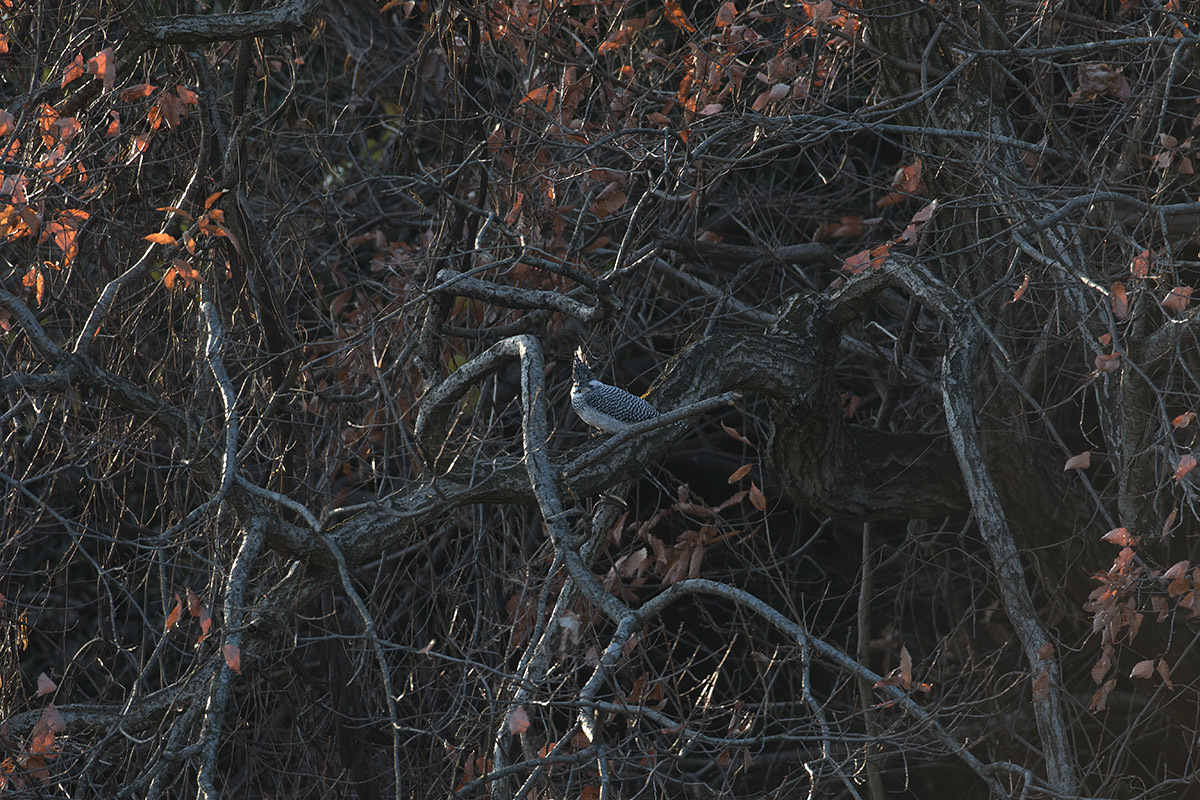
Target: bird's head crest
580	370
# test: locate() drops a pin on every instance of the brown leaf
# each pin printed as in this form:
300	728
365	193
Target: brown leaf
1164	672
1102	665
610	199
1186	464
725	15
1041	686
1140	266
740	473
1098	79
1120	537
1080	461
1143	669
819	11
1119	300
1184	419
518	720
1177	299
756	497
44	684
233	657
1046	651
1100	698
160	238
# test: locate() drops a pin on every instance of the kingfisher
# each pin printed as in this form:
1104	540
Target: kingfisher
602	406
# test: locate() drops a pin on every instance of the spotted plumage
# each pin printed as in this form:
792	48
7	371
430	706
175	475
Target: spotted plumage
602	406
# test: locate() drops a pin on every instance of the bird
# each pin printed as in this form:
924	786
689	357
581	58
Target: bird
608	408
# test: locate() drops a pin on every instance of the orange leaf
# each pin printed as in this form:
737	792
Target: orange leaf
677	18
1186	464
1081	461
34	279
1119	300
1020	292
233	657
1140	266
740	473
1184	419
102	66
176	613
74	70
160	238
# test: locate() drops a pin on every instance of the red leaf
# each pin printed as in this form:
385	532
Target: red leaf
1081	461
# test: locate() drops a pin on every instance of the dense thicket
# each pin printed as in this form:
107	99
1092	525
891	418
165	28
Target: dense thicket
294	502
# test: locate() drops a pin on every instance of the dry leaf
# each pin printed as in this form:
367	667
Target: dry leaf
1186	464
233	657
1143	669
518	720
1177	299
1081	461
756	497
740	473
44	684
